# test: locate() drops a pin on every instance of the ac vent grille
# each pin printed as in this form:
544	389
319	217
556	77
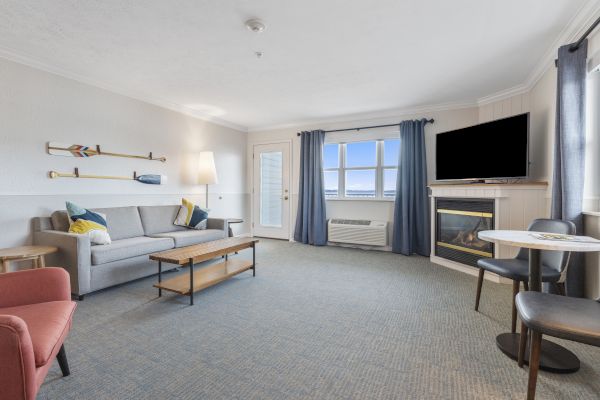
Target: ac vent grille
363	232
351	221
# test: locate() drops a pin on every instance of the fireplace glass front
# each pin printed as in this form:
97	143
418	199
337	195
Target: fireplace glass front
457	223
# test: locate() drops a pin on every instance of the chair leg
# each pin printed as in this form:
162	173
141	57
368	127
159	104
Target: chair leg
561	288
526	286
522	344
534	363
479	285
62	361
513	327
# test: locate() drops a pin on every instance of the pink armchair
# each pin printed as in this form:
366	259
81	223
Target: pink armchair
35	317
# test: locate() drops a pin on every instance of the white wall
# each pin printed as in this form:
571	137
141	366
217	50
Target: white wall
37	107
361	209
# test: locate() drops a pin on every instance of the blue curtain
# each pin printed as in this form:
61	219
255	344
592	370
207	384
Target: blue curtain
411	210
569	152
311	224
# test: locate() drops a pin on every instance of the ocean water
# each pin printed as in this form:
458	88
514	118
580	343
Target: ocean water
360	193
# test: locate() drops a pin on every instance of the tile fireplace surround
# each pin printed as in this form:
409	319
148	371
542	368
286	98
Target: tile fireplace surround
505	206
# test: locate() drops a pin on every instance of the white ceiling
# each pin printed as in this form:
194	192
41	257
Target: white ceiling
322	58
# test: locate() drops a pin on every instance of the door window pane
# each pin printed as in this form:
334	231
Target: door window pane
391	151
331	156
271	189
360	183
361	154
331	183
389	182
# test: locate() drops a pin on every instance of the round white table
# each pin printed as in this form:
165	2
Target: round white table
553	358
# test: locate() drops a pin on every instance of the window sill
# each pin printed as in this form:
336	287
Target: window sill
361	199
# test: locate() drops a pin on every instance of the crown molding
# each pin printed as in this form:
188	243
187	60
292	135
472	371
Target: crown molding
586	15
503	94
368	116
32	62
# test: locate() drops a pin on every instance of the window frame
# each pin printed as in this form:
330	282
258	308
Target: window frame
379	169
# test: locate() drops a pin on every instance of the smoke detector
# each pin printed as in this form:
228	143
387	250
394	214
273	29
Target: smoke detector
255	25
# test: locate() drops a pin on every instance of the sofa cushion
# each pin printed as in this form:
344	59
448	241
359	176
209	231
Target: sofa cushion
159	219
123	222
60	221
190	237
89	223
47	323
191	215
127	248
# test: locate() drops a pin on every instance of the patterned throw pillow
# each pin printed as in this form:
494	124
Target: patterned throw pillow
191	216
86	222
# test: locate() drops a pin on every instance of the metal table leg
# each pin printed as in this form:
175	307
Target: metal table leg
191	281
253	259
159	277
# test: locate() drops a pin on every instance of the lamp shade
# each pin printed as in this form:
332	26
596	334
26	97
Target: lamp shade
207	172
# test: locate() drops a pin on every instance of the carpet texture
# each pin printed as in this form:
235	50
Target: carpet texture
315	323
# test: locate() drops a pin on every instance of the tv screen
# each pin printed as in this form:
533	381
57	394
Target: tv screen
496	149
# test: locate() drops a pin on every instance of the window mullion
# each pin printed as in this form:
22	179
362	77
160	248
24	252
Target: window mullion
342	173
379	171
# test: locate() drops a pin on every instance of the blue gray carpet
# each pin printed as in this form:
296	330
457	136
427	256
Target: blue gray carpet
315	323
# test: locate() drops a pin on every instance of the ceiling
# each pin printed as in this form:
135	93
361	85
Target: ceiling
322	58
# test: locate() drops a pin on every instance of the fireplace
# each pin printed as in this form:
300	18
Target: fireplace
457	222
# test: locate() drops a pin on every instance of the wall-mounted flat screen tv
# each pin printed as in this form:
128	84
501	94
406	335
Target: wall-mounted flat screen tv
493	150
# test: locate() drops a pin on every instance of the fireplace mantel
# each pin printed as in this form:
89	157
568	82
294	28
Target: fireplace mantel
516	205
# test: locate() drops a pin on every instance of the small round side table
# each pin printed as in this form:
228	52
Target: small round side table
233	221
24	253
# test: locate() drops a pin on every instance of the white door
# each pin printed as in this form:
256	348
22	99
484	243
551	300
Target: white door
271	190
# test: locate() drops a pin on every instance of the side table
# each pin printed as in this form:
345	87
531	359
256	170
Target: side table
233	221
25	253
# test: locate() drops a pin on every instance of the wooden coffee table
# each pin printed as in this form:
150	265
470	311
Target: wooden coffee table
24	253
206	276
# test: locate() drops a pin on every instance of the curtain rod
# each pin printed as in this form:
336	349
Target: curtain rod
576	45
430	121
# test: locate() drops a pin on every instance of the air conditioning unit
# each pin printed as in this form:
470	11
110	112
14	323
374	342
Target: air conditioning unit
357	231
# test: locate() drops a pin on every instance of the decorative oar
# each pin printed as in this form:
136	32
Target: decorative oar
149	179
79	150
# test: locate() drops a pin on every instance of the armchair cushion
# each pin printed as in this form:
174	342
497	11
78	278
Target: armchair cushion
48	324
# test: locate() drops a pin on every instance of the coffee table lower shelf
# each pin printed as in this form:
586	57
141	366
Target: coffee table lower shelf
205	277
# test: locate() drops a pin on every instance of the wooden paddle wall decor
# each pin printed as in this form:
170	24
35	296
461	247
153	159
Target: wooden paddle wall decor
79	150
149	179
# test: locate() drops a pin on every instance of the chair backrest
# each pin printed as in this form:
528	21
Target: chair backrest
557	260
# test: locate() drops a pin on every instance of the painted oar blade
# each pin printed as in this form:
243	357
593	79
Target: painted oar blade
152	179
70	150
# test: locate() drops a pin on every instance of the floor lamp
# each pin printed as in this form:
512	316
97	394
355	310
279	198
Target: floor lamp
207	172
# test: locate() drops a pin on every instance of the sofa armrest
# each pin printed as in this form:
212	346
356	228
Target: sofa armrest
34	286
17	363
74	255
217	223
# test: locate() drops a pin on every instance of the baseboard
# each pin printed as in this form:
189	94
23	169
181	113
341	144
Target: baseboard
490	276
361	247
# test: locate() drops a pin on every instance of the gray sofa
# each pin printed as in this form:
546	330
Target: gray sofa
136	232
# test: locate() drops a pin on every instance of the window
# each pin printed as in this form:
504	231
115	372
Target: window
361	170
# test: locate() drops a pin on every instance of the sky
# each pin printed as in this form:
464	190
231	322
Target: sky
361	154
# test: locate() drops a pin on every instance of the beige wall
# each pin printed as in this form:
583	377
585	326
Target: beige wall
361	209
37	107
